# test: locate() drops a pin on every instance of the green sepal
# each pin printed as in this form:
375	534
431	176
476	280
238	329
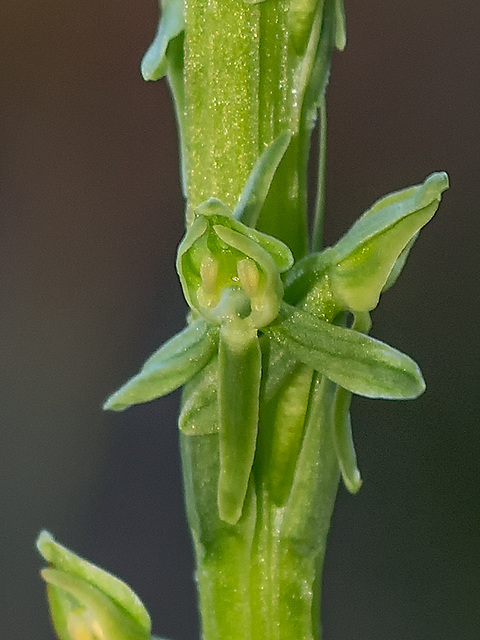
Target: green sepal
340	26
218	214
174	364
85	599
357	362
343	440
364	258
258	184
199	410
240	366
171	24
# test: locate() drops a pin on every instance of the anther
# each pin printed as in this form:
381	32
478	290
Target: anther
249	277
209	274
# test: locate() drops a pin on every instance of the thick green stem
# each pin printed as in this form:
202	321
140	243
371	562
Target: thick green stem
260	579
245	84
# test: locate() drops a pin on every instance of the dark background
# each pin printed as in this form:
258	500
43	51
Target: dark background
91	215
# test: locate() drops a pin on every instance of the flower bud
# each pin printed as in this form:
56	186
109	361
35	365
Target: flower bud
370	256
87	603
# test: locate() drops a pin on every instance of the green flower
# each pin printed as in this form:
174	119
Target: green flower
257	333
229	270
87	603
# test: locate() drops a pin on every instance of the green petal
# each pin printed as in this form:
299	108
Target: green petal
239	388
174	364
357	362
199	412
154	63
343	439
68	563
258	184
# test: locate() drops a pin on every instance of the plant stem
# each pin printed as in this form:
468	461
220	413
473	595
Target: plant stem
245	84
260	579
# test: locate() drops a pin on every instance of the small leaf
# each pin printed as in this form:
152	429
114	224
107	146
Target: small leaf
239	388
227	268
171	24
174	364
199	411
258	184
343	440
357	362
86	600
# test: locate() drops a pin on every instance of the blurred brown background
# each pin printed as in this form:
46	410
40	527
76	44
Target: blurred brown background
91	214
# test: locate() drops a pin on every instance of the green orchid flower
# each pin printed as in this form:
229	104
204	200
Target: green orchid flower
261	334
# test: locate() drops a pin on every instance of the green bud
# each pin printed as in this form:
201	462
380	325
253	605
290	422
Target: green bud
155	63
229	270
370	256
86	602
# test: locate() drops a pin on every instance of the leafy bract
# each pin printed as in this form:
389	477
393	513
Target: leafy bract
300	20
199	410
